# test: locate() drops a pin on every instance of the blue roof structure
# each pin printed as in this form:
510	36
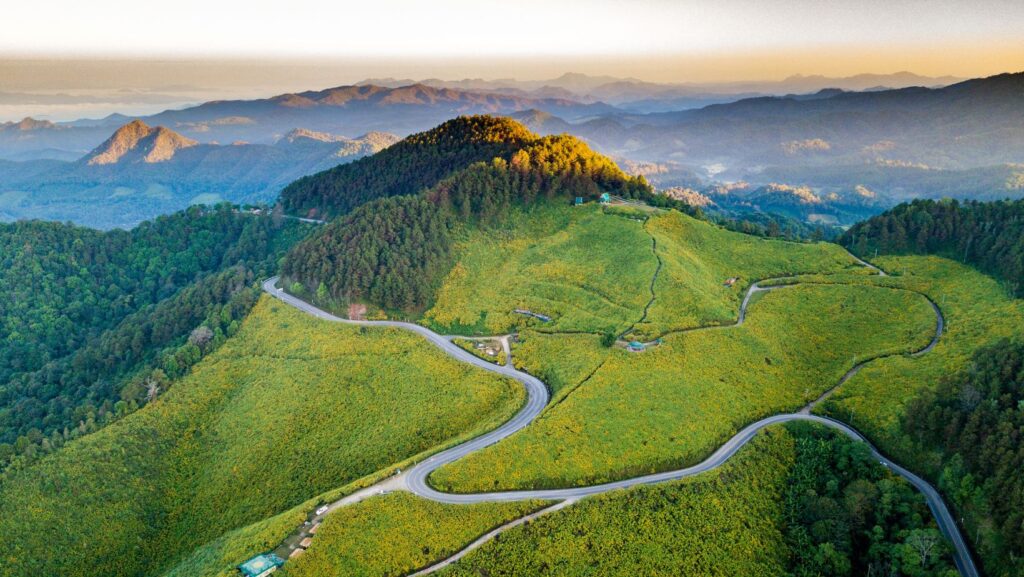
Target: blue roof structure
260	565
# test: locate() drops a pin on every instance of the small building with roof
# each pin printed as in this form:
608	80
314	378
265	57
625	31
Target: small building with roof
261	565
636	346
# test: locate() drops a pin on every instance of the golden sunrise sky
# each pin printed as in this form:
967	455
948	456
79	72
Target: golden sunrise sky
659	40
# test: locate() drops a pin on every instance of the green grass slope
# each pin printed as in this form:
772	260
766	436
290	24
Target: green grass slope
591	269
398	533
288	409
799	500
978	312
698	257
586	269
675	403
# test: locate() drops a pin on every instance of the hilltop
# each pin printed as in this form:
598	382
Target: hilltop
398	212
137	142
415	163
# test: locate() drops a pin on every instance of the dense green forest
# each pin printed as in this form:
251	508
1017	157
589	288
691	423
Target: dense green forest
843	514
974	418
987	235
395	252
84	312
407	167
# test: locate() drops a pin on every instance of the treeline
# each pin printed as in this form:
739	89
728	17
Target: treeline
987	235
769	225
975	420
392	252
395	252
87	316
408	167
843	514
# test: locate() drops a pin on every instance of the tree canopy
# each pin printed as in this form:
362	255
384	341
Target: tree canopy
987	235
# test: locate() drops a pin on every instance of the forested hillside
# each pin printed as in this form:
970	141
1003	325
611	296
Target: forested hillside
974	419
286	409
407	167
987	235
394	252
83	311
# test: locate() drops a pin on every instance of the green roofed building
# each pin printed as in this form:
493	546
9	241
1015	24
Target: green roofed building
261	565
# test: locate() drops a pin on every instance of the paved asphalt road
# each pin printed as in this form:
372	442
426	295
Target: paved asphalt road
415	479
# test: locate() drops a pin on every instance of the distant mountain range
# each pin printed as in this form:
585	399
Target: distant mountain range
140	172
633	95
913	141
342	110
973	123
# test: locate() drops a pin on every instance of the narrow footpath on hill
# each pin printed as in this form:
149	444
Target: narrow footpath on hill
414	479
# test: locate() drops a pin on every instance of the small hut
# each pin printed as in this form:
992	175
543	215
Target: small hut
261	565
636	346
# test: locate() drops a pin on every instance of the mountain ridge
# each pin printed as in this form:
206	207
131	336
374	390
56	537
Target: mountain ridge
138	142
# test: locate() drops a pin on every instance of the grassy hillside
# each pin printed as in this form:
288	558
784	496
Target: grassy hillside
675	403
398	533
587	269
590	269
978	313
698	257
289	408
797	501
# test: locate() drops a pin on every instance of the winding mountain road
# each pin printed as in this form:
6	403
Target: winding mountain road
414	480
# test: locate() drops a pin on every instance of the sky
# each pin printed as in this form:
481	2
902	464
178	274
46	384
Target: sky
177	51
388	29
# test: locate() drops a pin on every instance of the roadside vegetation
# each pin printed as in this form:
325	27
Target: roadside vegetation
481	347
978	313
675	403
287	409
398	533
561	361
799	500
973	419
